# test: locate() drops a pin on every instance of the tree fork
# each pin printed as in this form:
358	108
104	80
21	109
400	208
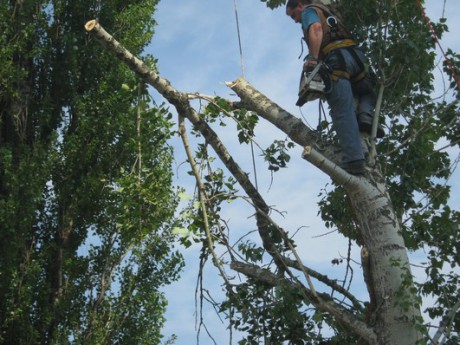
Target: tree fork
397	314
381	231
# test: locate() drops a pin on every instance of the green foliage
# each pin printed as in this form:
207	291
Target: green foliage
274	3
340	217
246	124
276	154
218	189
86	202
251	251
454	59
280	315
245	120
266	314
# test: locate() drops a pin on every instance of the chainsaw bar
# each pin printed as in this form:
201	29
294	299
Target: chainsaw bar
311	86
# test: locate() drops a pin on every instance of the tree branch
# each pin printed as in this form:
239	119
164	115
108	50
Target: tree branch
202	197
339	175
286	122
254	100
297	131
325	280
323	302
180	101
446	324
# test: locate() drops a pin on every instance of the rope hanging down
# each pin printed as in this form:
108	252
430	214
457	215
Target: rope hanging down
242	74
433	33
239	37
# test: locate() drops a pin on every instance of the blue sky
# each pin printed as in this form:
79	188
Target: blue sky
196	45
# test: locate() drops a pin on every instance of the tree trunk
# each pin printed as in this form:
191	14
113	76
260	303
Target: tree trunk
396	314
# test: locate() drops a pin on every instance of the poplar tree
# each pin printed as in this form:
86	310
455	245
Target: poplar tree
86	196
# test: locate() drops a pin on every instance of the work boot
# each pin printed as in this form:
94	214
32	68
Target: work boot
354	167
365	125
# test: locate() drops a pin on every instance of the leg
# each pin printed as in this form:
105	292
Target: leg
344	119
364	91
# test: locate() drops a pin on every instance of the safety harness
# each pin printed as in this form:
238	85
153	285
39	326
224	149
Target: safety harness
336	36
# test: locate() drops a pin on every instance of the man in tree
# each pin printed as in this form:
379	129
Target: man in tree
329	41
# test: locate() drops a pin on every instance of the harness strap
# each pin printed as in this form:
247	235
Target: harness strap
340	72
336	74
359	77
336	29
348	42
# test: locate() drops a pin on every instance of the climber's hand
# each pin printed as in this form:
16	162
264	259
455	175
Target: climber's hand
310	64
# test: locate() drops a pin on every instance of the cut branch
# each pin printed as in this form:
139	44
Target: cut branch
180	101
254	100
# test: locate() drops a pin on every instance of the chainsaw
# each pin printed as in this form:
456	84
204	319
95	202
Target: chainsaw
311	85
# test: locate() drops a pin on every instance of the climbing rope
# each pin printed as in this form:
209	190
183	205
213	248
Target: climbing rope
321	139
235	7
433	33
319	128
